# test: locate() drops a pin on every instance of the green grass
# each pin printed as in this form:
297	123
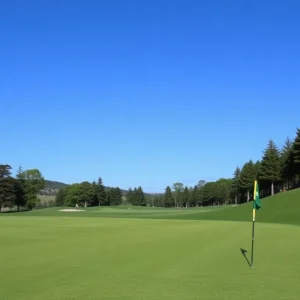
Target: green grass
149	253
283	208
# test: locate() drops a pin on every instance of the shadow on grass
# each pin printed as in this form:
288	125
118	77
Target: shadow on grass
13	211
243	251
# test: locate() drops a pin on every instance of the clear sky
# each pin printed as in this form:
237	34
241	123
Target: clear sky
146	92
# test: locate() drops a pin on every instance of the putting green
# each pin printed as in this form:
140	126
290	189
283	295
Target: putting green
74	258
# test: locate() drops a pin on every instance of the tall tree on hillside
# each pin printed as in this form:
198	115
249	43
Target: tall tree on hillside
94	201
140	196
34	182
257	169
134	196
185	197
296	152
168	197
20	189
178	188
100	194
7	187
235	184
85	193
287	163
5	171
247	178
270	166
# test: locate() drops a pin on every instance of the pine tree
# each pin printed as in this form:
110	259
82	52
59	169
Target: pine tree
140	197
129	196
7	187
270	166
193	196
134	196
20	189
296	152
235	184
168	197
247	177
185	196
118	196
100	194
287	163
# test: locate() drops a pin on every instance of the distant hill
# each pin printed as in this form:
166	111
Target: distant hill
49	184
51	187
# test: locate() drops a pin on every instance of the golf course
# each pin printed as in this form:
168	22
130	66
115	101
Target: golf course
126	252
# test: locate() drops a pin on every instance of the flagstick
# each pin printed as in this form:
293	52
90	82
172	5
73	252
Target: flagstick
252	248
256	205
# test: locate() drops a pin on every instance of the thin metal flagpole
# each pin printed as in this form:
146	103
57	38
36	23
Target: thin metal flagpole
253	223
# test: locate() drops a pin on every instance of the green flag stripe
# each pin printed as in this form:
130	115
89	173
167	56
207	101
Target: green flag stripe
256	199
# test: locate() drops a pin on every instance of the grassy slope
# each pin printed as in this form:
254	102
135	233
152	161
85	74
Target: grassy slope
90	258
282	208
76	258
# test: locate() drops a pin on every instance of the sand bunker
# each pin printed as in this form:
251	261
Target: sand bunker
71	210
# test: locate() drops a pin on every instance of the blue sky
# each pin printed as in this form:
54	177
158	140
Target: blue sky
146	92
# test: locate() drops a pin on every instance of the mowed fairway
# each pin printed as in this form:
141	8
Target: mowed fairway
125	258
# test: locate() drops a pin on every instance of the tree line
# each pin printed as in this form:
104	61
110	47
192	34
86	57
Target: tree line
88	194
278	170
22	190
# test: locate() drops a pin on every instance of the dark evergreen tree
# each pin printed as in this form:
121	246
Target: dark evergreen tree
118	196
185	196
60	198
94	201
140	197
7	187
287	164
20	199
235	187
247	178
100	193
168	197
193	196
296	152
270	166
129	196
